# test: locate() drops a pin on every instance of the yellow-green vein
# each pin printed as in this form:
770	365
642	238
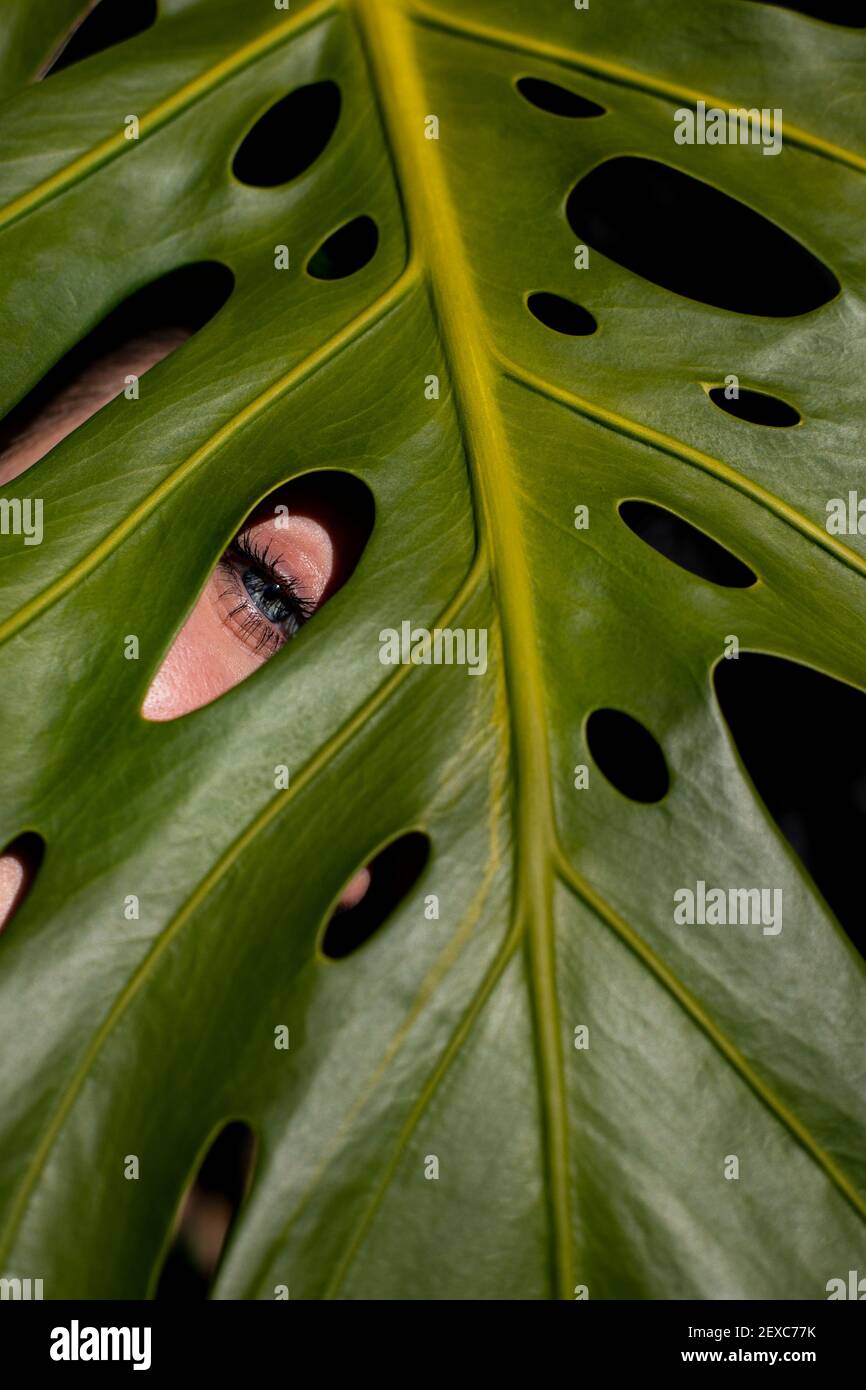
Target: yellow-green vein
440	968
163	112
711	1029
389	43
231	855
316	359
609	71
656	439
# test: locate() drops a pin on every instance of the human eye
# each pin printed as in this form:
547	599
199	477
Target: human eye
290	555
262	601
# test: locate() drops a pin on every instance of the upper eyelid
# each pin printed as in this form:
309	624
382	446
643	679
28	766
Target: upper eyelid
248	546
245	541
244	545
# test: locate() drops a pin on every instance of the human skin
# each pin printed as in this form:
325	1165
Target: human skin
295	550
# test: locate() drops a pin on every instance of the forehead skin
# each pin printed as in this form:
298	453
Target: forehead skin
34	429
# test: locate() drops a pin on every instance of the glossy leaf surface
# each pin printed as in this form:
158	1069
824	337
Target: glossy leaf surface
559	1166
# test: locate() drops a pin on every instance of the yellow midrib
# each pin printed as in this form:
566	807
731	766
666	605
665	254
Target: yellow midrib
435	234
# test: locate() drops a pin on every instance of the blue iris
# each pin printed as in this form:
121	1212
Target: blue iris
270	600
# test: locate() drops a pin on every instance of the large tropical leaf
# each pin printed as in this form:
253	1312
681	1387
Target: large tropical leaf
600	1166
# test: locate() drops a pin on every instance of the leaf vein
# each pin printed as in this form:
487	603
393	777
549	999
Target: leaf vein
202	891
621	76
696	1012
114	145
344	338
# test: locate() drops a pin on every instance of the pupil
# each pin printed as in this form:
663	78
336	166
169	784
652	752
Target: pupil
267	596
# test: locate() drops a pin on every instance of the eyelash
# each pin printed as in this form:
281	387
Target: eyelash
256	628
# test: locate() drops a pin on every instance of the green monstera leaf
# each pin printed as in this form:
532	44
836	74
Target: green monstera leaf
582	1067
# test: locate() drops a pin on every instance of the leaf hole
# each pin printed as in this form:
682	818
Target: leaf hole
627	754
289	137
557	100
148	326
757	407
291	554
109	22
392	874
19	865
562	315
207	1214
345	251
678	540
845	12
815	794
686	236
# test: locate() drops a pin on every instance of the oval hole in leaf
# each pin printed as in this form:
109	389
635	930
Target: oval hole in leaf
207	1214
145	328
815	792
289	137
109	22
19	865
683	543
562	315
846	12
559	101
290	555
345	251
393	873
757	407
689	237
627	754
